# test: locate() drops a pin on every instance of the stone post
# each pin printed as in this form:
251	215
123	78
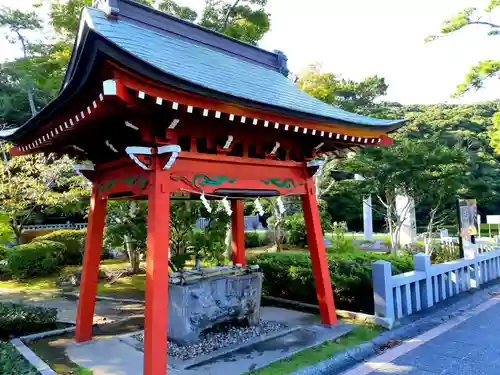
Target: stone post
405	210
382	289
368	218
367	213
422	263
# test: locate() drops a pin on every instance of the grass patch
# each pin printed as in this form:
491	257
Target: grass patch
48	283
130	286
42	284
319	353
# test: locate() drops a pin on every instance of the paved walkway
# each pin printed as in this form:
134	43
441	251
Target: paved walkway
468	344
105	311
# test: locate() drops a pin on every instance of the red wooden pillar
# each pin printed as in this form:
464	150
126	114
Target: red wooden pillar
90	269
318	255
156	313
238	232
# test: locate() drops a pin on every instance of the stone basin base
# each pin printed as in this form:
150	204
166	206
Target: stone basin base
202	303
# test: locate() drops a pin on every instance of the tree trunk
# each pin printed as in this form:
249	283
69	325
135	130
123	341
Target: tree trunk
392	231
133	254
18	231
228	240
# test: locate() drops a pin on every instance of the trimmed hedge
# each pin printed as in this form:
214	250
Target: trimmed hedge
289	275
74	240
38	258
13	363
256	239
18	320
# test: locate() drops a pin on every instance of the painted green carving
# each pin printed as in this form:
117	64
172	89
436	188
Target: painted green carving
200	180
281	183
204	180
139	181
107	186
131	181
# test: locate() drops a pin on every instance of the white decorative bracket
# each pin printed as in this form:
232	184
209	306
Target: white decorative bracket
133	150
174	149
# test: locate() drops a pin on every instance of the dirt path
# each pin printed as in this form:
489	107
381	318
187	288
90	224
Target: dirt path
105	311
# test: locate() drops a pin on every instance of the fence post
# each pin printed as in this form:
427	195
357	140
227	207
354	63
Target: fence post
477	275
382	289
422	263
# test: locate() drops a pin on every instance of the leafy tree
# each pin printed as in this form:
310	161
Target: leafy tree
183	215
184	12
245	20
341	92
472	16
494	133
18	23
126	227
423	169
34	183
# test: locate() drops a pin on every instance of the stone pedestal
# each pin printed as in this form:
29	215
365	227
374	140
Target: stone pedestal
202	303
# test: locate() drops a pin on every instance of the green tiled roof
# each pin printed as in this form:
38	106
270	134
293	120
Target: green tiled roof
216	70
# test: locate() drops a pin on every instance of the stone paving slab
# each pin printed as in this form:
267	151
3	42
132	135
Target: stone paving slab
261	354
117	357
109	357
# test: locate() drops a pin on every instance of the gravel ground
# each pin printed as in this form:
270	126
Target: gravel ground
225	335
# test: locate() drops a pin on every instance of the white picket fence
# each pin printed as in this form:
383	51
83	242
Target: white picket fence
404	294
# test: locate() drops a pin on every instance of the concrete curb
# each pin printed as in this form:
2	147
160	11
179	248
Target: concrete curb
103	298
413	326
366	318
346	314
42	335
193	362
32	358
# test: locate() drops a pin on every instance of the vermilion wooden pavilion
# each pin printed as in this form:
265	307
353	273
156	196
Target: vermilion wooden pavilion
160	107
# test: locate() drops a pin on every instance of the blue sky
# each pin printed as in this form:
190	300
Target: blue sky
357	38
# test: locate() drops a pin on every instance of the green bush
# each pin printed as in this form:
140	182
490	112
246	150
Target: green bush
289	275
296	229
3	252
13	363
256	239
445	253
34	259
17	320
74	240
